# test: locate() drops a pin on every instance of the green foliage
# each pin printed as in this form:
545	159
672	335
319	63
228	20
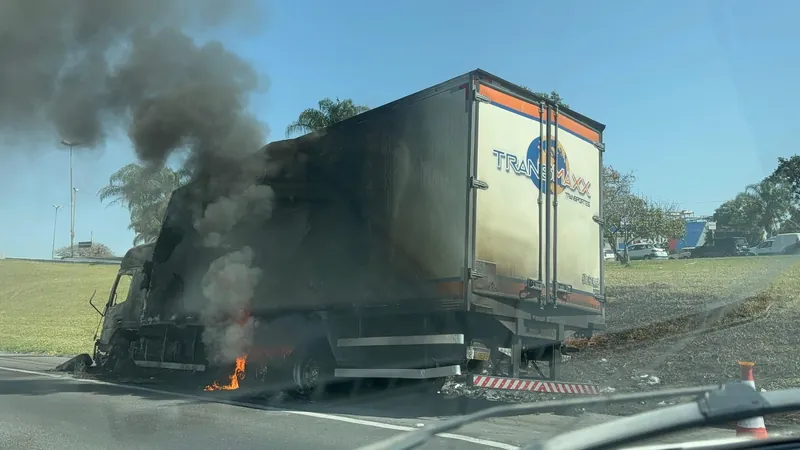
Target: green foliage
97	250
788	172
553	96
326	114
628	216
761	210
145	192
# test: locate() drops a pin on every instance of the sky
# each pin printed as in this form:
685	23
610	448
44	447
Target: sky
696	95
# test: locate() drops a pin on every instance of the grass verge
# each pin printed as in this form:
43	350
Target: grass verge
651	301
44	306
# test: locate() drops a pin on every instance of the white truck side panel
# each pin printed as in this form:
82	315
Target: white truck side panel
507	214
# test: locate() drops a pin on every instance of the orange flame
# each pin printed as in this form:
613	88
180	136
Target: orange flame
236	376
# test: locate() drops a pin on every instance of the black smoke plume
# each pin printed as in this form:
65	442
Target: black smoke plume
78	69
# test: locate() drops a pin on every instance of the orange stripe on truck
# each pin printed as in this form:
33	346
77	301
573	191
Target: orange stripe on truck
531	109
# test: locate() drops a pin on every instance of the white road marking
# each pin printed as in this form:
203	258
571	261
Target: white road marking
335	417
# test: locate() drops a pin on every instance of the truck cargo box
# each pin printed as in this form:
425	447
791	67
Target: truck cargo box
426	203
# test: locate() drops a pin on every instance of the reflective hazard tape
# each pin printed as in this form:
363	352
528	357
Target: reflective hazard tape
517	384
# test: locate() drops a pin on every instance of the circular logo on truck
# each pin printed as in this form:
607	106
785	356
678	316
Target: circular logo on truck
559	165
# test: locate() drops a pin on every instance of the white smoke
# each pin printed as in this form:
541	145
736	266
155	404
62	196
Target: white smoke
230	282
229	286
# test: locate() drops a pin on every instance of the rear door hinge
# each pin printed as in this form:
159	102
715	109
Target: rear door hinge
600	146
474	274
480	97
478	184
598	220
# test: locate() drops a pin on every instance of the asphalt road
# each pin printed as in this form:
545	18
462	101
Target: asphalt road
40	409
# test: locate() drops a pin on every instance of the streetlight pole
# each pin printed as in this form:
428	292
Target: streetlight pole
72	225
55	220
71	144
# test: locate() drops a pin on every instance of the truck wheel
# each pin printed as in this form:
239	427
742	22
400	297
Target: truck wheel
311	370
117	359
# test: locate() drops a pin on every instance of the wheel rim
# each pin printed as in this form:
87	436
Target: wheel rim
306	374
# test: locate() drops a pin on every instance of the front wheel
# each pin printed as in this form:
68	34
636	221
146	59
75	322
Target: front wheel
117	359
648	257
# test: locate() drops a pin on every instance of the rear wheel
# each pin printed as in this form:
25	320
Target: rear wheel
312	369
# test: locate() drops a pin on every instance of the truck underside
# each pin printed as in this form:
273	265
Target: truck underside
301	352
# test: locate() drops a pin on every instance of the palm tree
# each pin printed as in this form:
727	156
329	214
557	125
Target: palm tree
328	113
145	192
772	202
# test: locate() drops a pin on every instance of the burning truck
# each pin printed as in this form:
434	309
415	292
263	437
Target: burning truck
418	240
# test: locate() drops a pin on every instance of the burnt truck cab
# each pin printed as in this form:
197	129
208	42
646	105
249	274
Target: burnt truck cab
121	313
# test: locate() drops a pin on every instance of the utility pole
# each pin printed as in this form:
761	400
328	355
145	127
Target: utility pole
55	220
71	144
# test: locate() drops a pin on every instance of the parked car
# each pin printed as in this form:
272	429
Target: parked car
785	243
684	253
722	247
609	255
646	251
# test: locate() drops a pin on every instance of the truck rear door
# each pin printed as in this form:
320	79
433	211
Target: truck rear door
513	242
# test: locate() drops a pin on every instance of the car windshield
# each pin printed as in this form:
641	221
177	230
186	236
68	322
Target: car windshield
333	222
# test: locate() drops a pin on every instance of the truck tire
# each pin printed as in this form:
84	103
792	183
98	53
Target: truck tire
117	360
311	371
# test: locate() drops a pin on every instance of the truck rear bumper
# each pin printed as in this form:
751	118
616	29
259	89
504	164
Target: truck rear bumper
527	385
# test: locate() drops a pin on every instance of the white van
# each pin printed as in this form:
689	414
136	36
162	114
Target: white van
775	245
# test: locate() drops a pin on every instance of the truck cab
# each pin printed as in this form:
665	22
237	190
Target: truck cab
122	310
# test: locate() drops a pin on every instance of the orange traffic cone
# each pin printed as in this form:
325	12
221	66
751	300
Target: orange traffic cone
754	426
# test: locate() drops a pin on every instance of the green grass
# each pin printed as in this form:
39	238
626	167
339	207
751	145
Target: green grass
656	299
44	307
726	278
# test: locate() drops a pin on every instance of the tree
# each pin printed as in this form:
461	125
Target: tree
740	215
97	250
788	172
617	205
627	216
553	96
762	210
772	204
145	192
660	221
327	113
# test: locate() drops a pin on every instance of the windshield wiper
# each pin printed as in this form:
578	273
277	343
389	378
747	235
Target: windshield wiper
416	438
735	401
